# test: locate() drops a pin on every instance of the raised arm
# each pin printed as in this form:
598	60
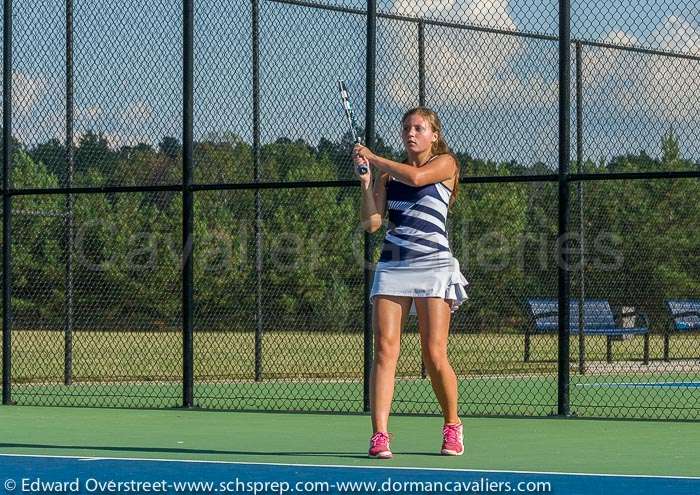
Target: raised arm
441	168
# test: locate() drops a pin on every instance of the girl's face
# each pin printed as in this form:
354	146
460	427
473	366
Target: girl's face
417	134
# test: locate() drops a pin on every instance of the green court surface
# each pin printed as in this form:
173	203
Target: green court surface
542	445
622	395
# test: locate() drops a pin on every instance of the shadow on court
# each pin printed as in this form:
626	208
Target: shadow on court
171	450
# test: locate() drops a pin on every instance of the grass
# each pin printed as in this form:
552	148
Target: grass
38	356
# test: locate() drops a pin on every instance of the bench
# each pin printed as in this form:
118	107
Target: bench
598	319
685	318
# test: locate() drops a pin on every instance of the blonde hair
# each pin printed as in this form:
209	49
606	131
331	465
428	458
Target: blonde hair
440	146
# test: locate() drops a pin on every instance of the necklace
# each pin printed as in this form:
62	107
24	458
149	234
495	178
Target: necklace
424	163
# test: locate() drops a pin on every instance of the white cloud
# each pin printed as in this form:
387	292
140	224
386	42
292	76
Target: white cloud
483	72
620	38
116	140
656	85
37	111
473	73
679	35
126	127
136	113
491	13
468	68
27	91
600	65
89	113
486	13
478	70
670	87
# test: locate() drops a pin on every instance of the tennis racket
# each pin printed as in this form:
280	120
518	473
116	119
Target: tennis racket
361	169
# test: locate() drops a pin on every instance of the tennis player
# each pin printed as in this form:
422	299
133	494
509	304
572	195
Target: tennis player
416	273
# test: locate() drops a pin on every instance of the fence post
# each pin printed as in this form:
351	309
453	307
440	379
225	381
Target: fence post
187	206
421	63
6	203
370	81
579	167
563	239
421	102
258	205
69	218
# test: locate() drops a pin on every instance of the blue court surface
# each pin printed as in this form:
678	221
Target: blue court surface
100	475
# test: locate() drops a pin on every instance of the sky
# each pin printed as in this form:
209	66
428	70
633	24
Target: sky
496	94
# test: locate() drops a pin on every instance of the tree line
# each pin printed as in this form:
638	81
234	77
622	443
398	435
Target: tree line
641	237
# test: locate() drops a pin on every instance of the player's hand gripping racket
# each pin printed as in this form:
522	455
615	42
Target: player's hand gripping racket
361	169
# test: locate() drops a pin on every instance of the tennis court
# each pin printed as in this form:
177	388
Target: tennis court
573	456
185	279
589	395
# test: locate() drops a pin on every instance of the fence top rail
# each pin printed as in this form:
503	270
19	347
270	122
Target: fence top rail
506	32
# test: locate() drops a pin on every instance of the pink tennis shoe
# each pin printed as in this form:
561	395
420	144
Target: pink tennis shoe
452	440
379	446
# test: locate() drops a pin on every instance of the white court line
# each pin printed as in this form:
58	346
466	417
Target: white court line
640	384
197	461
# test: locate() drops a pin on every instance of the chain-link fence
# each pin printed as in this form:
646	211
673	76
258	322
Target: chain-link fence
181	218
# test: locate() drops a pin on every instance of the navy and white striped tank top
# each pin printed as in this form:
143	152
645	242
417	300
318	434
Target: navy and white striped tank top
417	221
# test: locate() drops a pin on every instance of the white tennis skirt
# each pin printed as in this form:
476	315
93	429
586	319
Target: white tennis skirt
437	275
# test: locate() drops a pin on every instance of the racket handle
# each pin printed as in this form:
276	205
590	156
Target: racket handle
361	169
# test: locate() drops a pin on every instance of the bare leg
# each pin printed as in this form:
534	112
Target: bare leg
388	316
434	324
